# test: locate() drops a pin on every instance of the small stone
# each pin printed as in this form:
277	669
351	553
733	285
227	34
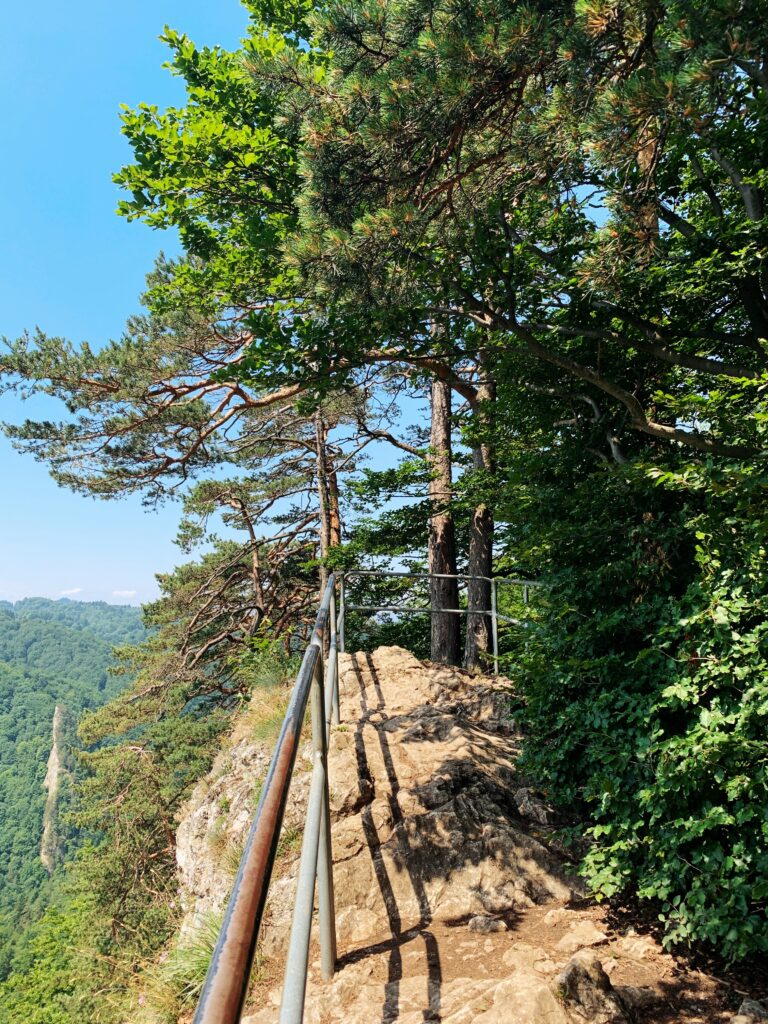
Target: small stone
518	952
638	997
585	990
530	805
484	925
753	1010
638	947
581	934
545	966
556	916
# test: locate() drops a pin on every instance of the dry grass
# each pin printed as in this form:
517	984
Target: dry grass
171	985
167	988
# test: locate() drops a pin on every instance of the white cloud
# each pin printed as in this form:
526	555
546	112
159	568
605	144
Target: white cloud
123	593
71	591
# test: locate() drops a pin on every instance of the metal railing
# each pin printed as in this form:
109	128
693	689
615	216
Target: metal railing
317	684
226	984
428	609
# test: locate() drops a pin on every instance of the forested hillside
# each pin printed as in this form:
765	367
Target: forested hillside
51	653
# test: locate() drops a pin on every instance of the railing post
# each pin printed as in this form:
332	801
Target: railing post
332	677
314	865
327	913
495	627
342	608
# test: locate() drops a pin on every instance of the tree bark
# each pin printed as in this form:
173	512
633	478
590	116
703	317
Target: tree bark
334	523
445	633
480	562
648	212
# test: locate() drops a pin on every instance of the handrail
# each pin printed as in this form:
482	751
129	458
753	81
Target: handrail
226	984
430	609
317	683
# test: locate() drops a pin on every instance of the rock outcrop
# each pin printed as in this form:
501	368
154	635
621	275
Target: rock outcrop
50	843
452	901
426	827
214	823
435	865
751	1011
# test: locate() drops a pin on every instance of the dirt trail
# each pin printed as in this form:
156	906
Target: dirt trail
453	903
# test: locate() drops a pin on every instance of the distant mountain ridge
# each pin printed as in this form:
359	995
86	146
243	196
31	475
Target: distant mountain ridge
52	653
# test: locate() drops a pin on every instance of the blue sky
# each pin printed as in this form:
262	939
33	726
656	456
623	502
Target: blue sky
69	265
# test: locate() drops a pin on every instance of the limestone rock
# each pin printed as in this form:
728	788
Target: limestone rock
448	907
556	916
213	827
532	806
751	1011
51	845
422	784
639	947
585	991
484	925
580	935
637	997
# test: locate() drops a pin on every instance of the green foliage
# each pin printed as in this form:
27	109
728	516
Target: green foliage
145	749
573	179
695	834
56	975
645	684
581	189
119	901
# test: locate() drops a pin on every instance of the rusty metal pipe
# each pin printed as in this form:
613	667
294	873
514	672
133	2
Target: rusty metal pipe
226	984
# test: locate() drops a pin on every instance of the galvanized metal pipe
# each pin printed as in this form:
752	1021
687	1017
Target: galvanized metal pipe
297	963
327	914
436	575
226	983
342	611
316	862
494	628
333	663
332	687
417	608
493	612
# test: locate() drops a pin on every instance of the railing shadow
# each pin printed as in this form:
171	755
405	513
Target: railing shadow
453	810
391	1005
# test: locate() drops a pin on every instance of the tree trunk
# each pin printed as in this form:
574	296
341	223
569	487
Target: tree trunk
479	635
334	519
648	214
445	646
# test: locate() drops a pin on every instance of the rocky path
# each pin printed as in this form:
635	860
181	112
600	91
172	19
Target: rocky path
452	902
